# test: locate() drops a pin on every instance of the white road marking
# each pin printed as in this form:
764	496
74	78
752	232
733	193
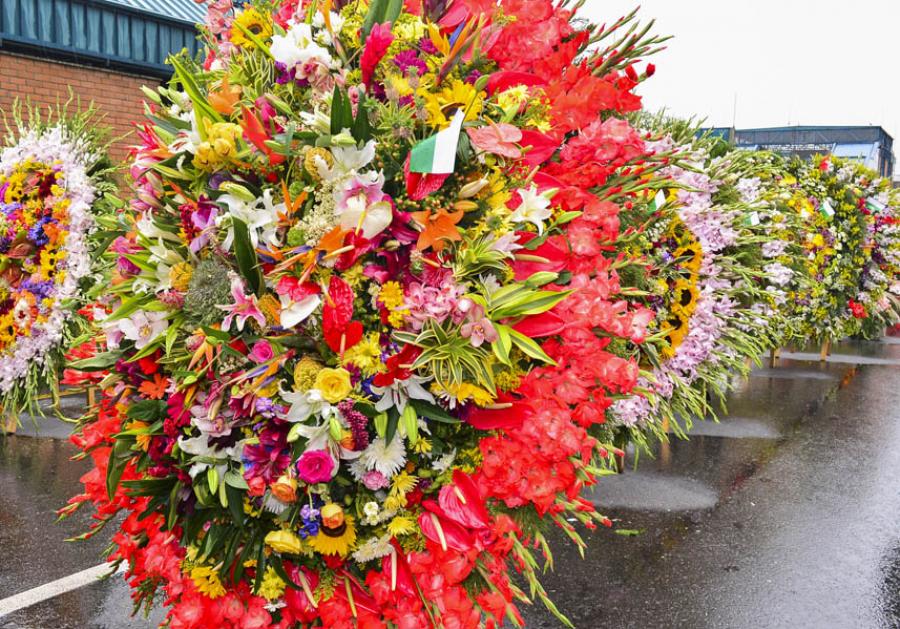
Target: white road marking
50	590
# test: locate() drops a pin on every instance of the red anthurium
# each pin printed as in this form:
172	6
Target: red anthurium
550	255
462	502
443	532
295	289
397	366
361	599
418	185
506	79
505	418
256	134
539	325
401	576
296	600
542	147
340	333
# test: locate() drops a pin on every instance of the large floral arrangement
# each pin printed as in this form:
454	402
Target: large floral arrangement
849	234
366	307
706	235
53	173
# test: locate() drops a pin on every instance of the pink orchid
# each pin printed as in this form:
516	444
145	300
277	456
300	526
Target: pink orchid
499	139
244	307
478	328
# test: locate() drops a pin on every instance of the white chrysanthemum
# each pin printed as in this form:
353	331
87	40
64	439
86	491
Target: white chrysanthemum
387	458
373	548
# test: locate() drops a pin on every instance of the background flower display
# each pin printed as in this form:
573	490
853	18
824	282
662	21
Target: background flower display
54	173
369	312
711	266
849	238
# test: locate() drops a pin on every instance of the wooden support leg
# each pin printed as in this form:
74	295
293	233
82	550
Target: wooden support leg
774	356
10	422
91	396
826	350
665	448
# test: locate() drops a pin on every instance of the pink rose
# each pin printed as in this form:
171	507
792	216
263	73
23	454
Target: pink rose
374	480
262	352
315	466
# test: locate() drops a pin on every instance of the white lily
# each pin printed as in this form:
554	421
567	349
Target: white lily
535	207
399	392
293	312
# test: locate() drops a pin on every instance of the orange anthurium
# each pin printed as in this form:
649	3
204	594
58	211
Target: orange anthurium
225	97
438	228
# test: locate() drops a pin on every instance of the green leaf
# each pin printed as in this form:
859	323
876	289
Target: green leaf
247	261
392	423
337	110
172	513
534	303
100	362
528	346
375	15
432	411
148	411
361	130
503	344
118	459
236	480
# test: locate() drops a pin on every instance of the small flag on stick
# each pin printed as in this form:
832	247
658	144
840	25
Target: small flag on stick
437	155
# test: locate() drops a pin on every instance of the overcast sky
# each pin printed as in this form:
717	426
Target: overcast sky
786	61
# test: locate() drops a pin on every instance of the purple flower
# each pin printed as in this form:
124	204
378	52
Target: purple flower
269	458
409	59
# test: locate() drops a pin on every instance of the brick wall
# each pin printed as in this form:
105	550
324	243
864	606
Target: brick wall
116	95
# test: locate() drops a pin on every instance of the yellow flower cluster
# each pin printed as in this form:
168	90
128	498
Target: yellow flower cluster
220	146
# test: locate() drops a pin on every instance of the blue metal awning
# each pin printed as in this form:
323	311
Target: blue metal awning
130	35
185	10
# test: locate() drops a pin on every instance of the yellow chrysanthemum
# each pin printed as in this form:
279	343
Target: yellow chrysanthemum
180	275
272	587
207	581
365	355
401	525
391	295
253	21
403	483
337	542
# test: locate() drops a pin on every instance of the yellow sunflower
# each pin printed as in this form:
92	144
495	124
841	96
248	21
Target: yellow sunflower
457	95
336	540
252	21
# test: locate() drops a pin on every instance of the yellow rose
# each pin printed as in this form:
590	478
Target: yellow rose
334	384
284	542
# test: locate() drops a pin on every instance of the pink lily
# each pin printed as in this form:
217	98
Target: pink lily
244	307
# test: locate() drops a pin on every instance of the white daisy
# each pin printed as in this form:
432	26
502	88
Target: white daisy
387	458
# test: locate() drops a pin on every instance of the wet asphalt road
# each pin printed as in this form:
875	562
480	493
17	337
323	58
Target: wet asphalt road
784	514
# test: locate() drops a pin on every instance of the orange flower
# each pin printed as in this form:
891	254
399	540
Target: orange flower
156	389
438	228
225	98
143	441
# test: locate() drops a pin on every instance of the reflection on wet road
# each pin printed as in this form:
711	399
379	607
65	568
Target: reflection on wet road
785	514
